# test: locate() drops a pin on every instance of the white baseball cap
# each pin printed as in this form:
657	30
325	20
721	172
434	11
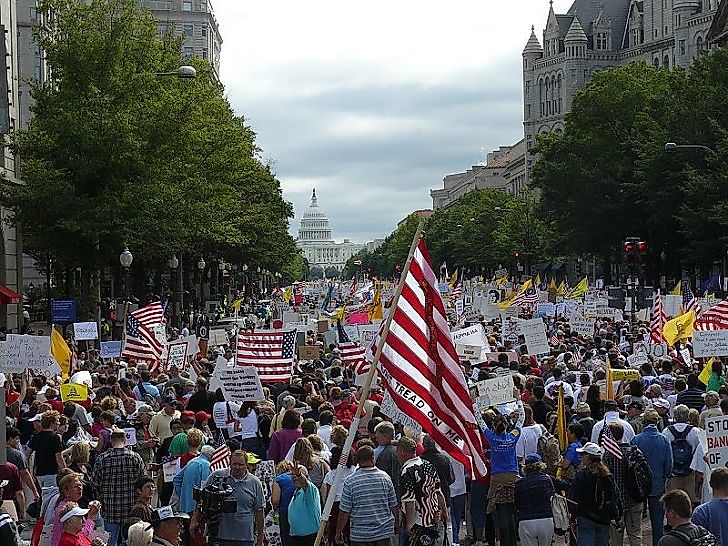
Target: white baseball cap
591	448
76	511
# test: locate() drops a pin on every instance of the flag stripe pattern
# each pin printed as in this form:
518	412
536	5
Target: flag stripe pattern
690	301
420	368
270	351
352	355
220	458
659	318
140	341
609	444
715	318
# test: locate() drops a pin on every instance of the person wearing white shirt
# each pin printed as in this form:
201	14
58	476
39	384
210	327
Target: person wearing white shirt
611	414
530	433
326	420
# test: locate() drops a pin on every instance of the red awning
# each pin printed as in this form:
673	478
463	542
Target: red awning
8	296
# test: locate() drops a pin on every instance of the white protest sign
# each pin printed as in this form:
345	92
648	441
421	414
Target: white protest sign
25	351
110	349
352	332
685	354
131	437
459	307
716	429
160	332
217	337
85	331
472	335
582	326
710	343
534	333
193	345
672	305
240	383
546	309
468	351
498	390
170	470
636	360
177	355
389	408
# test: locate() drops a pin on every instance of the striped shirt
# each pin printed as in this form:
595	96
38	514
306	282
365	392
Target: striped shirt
368	497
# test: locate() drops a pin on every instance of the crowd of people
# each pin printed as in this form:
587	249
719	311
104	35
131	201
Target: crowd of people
139	461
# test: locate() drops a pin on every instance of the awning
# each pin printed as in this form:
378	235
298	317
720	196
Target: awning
8	296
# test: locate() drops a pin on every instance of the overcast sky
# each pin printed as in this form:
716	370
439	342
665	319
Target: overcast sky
373	102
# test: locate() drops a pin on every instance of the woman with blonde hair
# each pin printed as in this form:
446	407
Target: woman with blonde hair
281	494
139	534
73	525
304	455
71	491
78	460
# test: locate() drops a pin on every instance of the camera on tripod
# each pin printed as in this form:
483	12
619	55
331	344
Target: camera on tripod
214	500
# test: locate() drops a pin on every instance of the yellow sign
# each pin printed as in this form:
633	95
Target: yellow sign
625	375
73	392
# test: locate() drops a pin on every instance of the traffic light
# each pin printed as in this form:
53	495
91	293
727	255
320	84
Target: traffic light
516	255
635	257
642	249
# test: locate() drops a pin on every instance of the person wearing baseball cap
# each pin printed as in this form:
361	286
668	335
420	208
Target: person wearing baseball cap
73	519
167	525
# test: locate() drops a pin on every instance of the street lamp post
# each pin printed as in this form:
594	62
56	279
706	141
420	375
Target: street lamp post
670	146
245	273
201	268
173	264
125	258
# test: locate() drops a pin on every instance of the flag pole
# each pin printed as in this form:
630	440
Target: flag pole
338	477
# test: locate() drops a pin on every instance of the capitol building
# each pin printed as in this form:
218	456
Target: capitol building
316	242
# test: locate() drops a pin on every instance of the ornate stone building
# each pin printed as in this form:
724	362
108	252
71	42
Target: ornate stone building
316	241
598	34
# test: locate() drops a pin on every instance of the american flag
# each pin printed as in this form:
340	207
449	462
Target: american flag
609	444
690	302
140	341
456	292
715	318
659	318
421	370
220	458
528	296
352	288
554	339
352	355
270	351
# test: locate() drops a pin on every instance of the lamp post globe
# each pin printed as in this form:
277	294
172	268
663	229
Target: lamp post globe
173	262
201	264
126	258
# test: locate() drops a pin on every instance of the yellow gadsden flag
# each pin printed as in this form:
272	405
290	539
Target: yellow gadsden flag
707	370
73	392
677	291
453	280
579	291
376	311
61	352
679	328
561	289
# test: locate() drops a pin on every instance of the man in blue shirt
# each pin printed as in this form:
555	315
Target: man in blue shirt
713	515
147	387
192	475
658	452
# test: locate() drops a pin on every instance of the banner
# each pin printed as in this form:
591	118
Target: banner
716	429
84	331
240	383
624	375
710	343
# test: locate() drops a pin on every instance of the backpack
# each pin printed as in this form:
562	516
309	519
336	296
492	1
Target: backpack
704	538
637	475
682	451
147	398
549	450
607	505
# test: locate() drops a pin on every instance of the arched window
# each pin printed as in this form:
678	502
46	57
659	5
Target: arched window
699	43
656	63
559	95
540	95
666	62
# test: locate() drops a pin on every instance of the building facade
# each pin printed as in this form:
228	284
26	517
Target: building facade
598	34
504	170
195	21
316	241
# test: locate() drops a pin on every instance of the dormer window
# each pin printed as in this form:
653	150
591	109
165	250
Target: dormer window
601	40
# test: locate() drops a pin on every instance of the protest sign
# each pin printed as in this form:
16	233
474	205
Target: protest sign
716	429
655	350
73	392
459	307
534	334
218	337
710	343
83	331
685	354
193	344
131	437
240	383
176	355
471	352
110	349
170	470
352	332
26	351
636	360
622	375
498	390
673	304
546	309
389	408
330	337
309	352
472	335
582	326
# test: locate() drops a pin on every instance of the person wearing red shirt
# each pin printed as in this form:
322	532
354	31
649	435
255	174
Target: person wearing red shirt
72	519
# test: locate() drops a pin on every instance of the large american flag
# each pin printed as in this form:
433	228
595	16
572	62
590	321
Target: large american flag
659	317
715	318
220	458
270	351
140	341
352	355
421	370
690	301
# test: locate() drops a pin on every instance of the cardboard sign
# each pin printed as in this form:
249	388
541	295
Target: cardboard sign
710	343
110	349
389	408
85	331
473	335
73	392
240	383
26	351
534	334
498	390
322	326
309	352
217	338
716	430
176	355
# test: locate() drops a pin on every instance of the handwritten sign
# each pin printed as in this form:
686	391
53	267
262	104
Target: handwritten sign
636	360
389	408
546	309
498	390
85	331
534	333
176	355
710	343
309	352
468	351
170	470
25	351
217	337
131	437
240	383
110	349
582	326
